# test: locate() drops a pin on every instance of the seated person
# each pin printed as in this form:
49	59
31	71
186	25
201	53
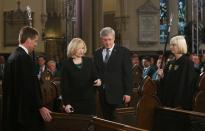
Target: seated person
155	75
2	62
148	70
41	66
50	93
51	65
136	70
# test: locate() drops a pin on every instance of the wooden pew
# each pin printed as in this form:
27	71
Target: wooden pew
149	115
148	111
77	122
68	122
141	116
169	119
135	96
56	83
199	99
126	116
1	102
99	124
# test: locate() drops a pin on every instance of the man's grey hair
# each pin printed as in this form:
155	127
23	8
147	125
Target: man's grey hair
51	62
107	31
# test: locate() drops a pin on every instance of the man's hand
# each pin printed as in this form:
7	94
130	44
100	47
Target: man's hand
69	109
126	98
45	114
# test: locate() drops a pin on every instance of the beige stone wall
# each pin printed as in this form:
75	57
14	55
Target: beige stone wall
109	5
7	5
130	36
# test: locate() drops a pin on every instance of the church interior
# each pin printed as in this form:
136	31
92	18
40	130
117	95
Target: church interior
144	27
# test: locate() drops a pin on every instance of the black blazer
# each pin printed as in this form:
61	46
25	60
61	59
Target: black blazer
116	75
21	91
77	84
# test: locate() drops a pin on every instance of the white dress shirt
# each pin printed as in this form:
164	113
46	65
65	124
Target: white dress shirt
104	52
24	48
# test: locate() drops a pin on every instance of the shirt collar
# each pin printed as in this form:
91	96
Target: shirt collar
146	68
110	49
43	67
24	48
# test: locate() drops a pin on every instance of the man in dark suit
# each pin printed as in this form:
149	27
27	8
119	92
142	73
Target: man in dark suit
22	106
148	69
40	68
114	68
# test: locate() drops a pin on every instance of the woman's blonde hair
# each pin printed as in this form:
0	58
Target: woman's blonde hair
180	44
75	44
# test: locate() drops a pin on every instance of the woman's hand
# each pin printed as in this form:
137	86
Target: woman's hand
97	82
126	98
160	73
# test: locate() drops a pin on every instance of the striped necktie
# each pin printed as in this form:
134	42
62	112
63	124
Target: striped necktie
107	56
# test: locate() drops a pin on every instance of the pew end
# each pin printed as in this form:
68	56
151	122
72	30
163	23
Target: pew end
145	109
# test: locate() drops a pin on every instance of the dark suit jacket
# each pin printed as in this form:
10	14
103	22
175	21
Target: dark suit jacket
21	93
149	72
116	75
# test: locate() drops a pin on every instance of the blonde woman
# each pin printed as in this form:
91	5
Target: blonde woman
179	78
78	78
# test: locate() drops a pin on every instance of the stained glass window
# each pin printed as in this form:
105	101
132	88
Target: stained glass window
163	20
182	16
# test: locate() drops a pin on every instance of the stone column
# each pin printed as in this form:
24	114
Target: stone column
189	10
92	23
173	8
204	13
78	28
87	22
1	24
97	22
